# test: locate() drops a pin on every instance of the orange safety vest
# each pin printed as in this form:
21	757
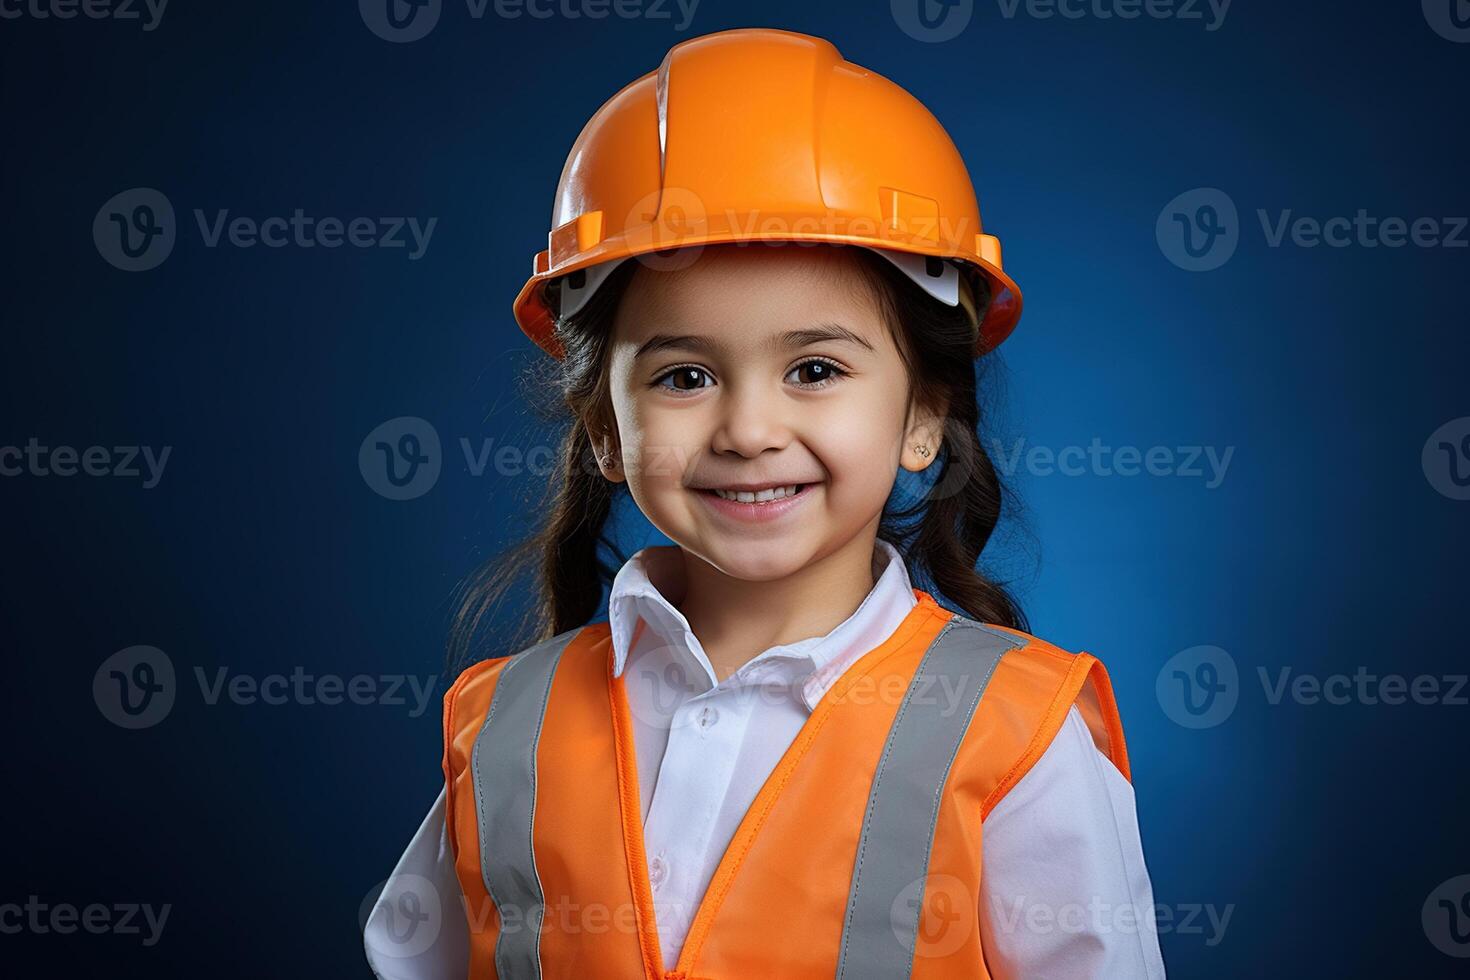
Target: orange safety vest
859	857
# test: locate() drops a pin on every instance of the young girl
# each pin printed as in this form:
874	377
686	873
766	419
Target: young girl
765	291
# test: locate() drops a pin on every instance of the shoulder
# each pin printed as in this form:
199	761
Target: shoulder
1035	686
1022	644
1045	662
476	684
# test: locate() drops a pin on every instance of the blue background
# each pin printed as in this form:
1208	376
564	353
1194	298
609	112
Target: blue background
1325	548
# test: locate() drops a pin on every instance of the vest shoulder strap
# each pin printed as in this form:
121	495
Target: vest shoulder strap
466	704
1034	687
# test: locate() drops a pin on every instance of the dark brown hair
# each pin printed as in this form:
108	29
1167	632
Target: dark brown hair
940	534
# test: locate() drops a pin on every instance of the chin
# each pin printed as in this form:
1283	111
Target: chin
754	560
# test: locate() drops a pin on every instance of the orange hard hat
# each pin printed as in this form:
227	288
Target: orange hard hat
765	135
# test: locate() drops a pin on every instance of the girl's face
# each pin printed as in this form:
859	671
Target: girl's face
753	368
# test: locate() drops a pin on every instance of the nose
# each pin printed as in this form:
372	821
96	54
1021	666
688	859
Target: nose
752	419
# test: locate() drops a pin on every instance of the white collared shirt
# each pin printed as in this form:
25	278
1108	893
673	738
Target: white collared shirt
1064	839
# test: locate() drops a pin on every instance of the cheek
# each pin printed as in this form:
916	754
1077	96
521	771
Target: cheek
858	442
659	441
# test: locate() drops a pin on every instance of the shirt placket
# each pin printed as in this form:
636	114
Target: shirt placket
704	743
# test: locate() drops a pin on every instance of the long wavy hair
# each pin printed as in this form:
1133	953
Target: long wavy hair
940	532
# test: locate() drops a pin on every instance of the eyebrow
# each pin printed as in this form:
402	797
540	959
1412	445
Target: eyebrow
790	339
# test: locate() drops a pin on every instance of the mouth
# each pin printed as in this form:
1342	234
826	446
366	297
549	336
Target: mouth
756	504
761	496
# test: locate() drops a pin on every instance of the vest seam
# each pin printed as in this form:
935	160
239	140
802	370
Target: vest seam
1112	722
531	826
1107	734
480	798
548	648
1057	653
636	875
451	702
1028	757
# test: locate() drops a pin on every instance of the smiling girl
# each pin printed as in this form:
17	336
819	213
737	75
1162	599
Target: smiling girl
765	293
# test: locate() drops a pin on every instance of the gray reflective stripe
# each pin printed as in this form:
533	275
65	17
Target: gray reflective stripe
504	768
882	921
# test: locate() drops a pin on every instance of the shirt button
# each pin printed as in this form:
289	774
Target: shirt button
657	871
708	716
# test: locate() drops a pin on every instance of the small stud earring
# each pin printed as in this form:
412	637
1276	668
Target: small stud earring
922	450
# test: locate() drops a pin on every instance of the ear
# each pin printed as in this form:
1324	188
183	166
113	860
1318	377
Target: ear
608	452
922	438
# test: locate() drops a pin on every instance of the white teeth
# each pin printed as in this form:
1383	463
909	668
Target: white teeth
758	496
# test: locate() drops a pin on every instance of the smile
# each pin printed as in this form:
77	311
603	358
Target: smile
759	496
757	505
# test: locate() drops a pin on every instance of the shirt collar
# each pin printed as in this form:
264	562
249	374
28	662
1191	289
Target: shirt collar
641	588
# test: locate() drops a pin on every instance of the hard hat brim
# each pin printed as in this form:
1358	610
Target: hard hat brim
537	320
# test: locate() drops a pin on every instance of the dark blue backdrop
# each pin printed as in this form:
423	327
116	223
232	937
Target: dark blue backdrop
1332	543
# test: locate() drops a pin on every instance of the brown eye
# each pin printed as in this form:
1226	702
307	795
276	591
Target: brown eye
815	374
685	378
